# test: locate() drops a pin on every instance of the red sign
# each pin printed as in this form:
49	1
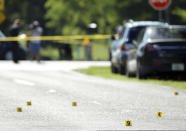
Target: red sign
160	4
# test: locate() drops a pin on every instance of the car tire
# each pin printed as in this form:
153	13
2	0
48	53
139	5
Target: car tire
121	69
114	69
140	71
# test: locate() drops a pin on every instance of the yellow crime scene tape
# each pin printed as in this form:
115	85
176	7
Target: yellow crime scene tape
56	38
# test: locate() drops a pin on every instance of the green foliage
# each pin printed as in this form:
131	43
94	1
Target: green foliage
181	13
70	17
26	10
178	9
73	16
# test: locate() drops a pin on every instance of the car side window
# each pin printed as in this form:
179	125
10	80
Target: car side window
140	36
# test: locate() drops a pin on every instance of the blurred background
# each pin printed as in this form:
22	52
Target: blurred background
80	17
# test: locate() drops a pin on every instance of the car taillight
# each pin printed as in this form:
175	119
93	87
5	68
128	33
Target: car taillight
149	48
158	64
123	47
152	48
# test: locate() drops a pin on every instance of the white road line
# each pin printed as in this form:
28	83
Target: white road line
24	82
51	91
95	102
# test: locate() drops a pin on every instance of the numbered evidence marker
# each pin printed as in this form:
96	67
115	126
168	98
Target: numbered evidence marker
176	93
19	109
128	123
28	103
74	103
159	114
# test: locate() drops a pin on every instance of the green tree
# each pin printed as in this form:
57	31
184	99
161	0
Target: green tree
178	12
26	10
73	16
136	10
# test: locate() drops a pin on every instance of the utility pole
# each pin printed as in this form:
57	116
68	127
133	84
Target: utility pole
160	15
167	14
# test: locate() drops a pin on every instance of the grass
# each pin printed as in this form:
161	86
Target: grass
99	50
106	73
51	52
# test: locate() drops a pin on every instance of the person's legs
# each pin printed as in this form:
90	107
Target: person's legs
31	56
31	51
38	53
38	57
35	51
15	52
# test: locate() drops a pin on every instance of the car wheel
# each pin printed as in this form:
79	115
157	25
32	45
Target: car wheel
121	69
139	71
113	69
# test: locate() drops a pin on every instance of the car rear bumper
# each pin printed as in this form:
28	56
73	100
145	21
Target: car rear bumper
174	65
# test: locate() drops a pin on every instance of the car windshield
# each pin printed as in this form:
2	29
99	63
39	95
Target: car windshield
134	32
167	33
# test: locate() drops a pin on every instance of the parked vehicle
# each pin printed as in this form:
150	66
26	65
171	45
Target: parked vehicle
119	47
5	52
158	50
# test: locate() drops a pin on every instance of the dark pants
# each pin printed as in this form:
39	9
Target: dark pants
15	51
14	48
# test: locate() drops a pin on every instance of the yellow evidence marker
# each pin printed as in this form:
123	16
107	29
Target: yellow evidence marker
176	93
19	109
28	103
74	103
159	114
128	123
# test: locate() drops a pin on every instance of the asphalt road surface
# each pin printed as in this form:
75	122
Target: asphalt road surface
102	104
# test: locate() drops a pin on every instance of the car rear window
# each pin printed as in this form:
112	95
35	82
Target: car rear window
167	33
